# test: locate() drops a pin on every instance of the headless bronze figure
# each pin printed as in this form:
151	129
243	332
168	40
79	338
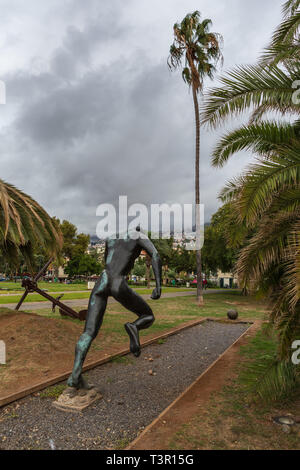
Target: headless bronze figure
120	255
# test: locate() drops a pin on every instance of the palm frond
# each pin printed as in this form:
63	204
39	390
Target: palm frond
285	42
290	7
286	30
24	224
250	86
281	53
262	138
267	246
290	293
266	179
279	382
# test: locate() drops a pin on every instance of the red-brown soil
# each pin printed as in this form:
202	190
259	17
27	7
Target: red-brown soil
39	348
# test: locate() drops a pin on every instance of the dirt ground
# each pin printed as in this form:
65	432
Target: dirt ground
39	348
228	425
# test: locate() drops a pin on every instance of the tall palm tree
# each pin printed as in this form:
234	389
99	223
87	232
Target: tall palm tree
25	226
196	51
266	197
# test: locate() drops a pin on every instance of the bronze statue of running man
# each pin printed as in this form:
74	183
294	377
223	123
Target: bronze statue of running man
120	255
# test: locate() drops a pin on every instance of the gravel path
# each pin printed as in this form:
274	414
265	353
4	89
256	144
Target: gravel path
132	397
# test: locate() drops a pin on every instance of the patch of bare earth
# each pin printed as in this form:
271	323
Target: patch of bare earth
39	348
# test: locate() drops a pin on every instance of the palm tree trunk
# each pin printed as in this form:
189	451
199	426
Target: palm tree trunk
197	198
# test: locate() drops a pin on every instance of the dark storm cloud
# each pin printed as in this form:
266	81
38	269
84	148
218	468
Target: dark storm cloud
68	112
79	45
102	116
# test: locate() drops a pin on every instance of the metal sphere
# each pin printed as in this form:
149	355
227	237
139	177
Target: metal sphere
232	314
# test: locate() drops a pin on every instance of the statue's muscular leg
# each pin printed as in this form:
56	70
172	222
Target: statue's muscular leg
96	310
136	304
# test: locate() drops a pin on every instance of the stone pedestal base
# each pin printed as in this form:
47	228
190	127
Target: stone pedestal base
76	400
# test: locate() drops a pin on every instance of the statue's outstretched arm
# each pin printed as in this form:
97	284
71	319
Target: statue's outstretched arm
148	246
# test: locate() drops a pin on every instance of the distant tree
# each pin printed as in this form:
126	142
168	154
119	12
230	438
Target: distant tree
81	244
99	257
139	268
148	270
164	247
183	260
69	232
216	251
74	244
88	265
172	274
83	265
71	268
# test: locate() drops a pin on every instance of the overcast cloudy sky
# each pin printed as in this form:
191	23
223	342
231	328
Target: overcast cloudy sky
92	110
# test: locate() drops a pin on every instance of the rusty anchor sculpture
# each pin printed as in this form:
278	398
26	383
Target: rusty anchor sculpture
30	285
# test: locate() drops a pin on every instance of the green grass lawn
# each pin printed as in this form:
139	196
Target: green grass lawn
216	305
11	287
11	299
175	310
236	418
169	313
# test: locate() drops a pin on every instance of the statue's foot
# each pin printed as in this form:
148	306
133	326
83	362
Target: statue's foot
133	334
79	383
77	399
